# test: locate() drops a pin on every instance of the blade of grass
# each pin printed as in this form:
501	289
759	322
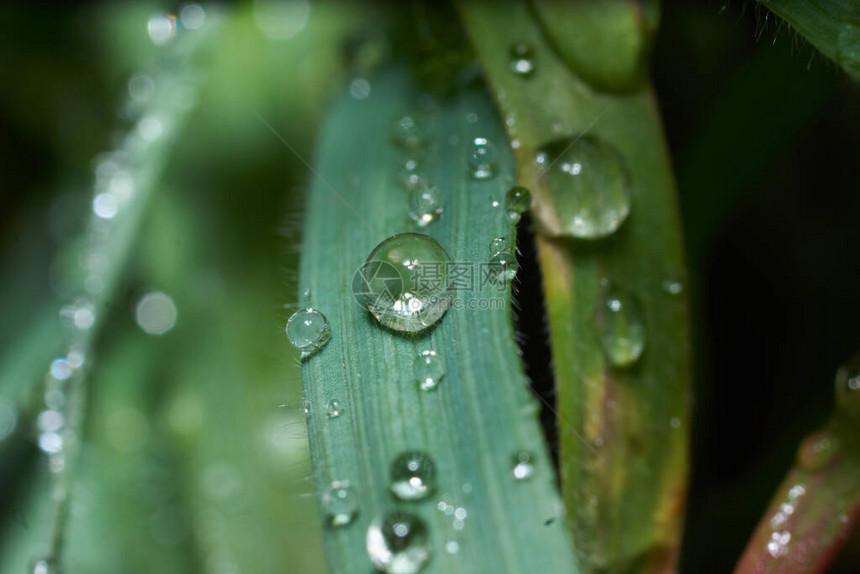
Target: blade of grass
481	413
624	433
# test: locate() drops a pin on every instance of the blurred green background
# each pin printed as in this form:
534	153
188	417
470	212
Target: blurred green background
194	457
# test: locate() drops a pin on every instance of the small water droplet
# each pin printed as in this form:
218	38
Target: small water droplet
192	16
502	268
339	504
105	205
334	409
452	547
482	158
498	245
407	132
818	450
306	407
44	566
150	128
429	370
517	201
61	369
523	465
161	28
848	388
589	185
398	543
413	476
424	205
621	326
308	330
411	180
359	89
672	287
156	313
50	421
404	282
522	59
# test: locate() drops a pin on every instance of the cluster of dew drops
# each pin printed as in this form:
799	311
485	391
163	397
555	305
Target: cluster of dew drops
154	104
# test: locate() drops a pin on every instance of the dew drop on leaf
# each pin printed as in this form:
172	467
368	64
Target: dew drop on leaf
620	326
517	201
413	476
818	450
424	205
334	409
339	503
407	132
523	465
308	331
498	245
398	543
588	183
502	268
522	59
482	159
404	282
429	370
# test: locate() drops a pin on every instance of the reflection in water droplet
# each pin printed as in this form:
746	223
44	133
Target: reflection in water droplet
156	313
334	409
398	543
482	158
523	465
588	183
502	268
848	388
522	59
339	503
308	331
429	370
407	132
424	205
413	476
404	283
621	326
498	245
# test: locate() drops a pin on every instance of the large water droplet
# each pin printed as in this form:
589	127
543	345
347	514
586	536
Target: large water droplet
482	159
498	245
848	388
620	325
308	331
424	205
407	132
429	369
589	187
502	268
413	476
398	543
818	450
523	465
522	59
334	409
404	283
339	504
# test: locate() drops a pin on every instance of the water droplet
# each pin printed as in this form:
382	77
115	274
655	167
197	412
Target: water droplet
150	128
61	370
105	205
50	442
156	313
334	409
80	315
192	16
672	287
50	421
482	158
411	180
517	201
359	89
818	450
306	407
498	245
44	566
404	283
589	186
424	206
339	504
141	88
523	465
502	268
522	58
429	370
161	28
621	326
452	547
848	388
413	476
308	331
398	543
407	132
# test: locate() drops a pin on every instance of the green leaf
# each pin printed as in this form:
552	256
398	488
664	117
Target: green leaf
623	429
481	414
832	26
